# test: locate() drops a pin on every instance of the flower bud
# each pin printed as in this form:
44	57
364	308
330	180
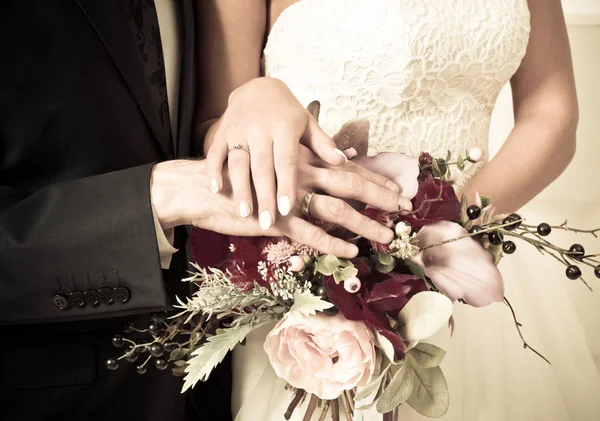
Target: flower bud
475	155
402	227
352	284
296	264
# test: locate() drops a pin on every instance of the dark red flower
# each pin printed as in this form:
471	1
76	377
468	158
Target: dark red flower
381	297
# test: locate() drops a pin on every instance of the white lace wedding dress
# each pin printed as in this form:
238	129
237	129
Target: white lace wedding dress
427	73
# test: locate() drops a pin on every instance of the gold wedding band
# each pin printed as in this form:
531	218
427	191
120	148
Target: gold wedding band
238	147
306	203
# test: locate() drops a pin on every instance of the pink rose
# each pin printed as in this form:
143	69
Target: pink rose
323	355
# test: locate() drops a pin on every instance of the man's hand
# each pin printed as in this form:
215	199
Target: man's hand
181	195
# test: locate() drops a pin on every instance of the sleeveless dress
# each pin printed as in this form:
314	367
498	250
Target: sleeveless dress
427	73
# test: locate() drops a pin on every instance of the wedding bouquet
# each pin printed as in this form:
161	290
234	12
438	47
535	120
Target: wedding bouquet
350	334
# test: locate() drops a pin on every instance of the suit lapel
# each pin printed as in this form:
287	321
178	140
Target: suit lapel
110	22
187	81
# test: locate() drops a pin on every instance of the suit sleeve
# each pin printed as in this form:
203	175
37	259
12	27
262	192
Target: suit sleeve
81	249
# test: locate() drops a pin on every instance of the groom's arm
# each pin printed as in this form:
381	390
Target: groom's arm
79	235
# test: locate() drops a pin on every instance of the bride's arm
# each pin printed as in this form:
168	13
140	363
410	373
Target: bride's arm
542	143
228	51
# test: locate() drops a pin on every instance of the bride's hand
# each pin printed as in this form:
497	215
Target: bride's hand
180	195
259	134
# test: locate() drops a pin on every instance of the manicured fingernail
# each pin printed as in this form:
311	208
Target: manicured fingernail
352	250
387	235
341	153
285	205
405	205
350	153
244	209
265	220
214	186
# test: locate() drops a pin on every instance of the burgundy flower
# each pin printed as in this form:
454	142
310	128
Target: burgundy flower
382	296
243	264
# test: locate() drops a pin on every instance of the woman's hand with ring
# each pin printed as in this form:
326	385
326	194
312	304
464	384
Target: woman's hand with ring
258	135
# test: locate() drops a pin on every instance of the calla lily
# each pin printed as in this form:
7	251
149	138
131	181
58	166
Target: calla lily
461	269
401	169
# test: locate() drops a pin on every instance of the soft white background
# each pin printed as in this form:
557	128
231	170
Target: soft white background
576	194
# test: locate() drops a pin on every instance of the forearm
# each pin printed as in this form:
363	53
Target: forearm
537	151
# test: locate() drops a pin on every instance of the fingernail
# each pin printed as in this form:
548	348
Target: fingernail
285	205
265	220
352	250
214	186
341	153
387	235
350	153
244	209
405	205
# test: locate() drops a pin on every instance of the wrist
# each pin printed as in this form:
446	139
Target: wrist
176	192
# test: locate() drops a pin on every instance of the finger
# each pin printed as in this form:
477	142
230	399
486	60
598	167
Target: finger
263	179
372	176
321	144
239	174
215	159
285	153
337	211
349	185
306	233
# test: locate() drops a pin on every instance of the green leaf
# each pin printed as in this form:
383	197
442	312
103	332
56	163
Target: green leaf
327	264
308	304
338	276
385	259
211	353
423	315
180	363
177	354
349	272
460	163
414	268
485	201
430	392
363	393
385	345
178	371
385	268
427	355
398	390
344	262
436	169
448	155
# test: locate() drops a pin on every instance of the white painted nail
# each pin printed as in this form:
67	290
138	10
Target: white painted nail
214	186
285	205
244	209
265	220
341	153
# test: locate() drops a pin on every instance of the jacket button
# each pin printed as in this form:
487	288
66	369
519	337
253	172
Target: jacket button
76	299
60	302
91	297
121	294
105	295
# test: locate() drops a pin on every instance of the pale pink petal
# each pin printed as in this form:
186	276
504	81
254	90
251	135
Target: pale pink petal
460	269
401	169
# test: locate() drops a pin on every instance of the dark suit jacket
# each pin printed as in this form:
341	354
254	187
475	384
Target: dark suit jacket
78	139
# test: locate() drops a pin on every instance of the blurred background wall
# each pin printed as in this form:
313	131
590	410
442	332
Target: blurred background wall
576	194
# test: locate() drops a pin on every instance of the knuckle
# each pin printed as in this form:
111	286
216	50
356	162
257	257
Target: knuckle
337	208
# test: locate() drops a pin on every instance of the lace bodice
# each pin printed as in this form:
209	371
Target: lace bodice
426	73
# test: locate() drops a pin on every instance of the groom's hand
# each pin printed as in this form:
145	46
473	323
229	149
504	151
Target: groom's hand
181	195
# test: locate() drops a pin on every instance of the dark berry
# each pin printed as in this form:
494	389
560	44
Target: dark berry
128	327
515	219
597	271
158	318
573	272
141	369
154	329
475	230
321	292
141	346
132	357
509	247
161	363
156	350
544	229
577	250
117	341
495	237
111	363
473	212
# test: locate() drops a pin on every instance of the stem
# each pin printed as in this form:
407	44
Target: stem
292	406
335	410
483	231
325	410
564	227
518	325
312	405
